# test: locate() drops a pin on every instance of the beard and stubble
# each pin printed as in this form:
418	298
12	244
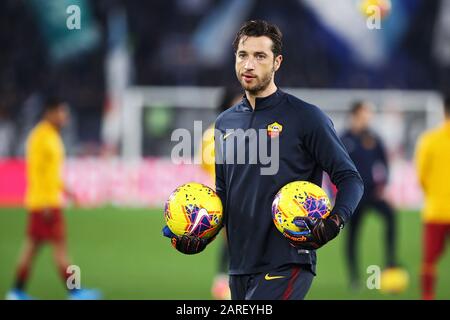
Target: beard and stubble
259	85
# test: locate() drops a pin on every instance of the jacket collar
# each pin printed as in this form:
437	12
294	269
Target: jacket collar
264	102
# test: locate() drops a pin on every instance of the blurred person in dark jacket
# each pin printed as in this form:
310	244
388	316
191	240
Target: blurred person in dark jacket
369	155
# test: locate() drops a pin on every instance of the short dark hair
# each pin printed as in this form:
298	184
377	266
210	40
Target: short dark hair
259	28
447	105
52	103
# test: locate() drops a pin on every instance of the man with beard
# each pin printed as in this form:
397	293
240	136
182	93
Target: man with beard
263	263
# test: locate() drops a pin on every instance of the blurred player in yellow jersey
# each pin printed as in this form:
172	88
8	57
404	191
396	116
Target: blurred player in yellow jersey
220	289
433	168
44	199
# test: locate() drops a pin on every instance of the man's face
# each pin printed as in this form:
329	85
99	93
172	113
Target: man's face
255	63
60	116
363	117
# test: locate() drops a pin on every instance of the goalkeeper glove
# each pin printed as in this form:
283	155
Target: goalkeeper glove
186	244
315	232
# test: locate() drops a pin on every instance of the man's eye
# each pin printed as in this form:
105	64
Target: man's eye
260	57
241	55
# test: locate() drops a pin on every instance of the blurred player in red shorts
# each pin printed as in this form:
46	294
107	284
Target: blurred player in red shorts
44	199
433	168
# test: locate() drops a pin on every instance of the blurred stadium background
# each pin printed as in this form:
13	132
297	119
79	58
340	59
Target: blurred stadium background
137	70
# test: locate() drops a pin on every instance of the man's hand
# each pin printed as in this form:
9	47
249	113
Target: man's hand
315	232
186	244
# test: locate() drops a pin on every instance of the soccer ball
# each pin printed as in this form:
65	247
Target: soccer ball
394	280
299	198
193	209
384	7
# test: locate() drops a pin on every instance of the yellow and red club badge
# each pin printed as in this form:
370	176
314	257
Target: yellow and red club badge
274	129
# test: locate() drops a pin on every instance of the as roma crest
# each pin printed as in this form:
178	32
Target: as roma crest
274	129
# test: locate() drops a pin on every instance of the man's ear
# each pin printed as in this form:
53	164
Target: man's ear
278	61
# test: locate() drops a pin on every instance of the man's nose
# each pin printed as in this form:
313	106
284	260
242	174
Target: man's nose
249	64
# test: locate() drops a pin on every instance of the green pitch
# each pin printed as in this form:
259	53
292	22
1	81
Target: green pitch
122	253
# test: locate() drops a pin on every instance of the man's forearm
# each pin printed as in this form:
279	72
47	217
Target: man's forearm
350	191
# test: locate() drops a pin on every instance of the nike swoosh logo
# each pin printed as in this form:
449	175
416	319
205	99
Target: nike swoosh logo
227	135
201	213
268	278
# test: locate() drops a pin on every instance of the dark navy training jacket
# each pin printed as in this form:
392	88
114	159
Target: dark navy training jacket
369	155
308	145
